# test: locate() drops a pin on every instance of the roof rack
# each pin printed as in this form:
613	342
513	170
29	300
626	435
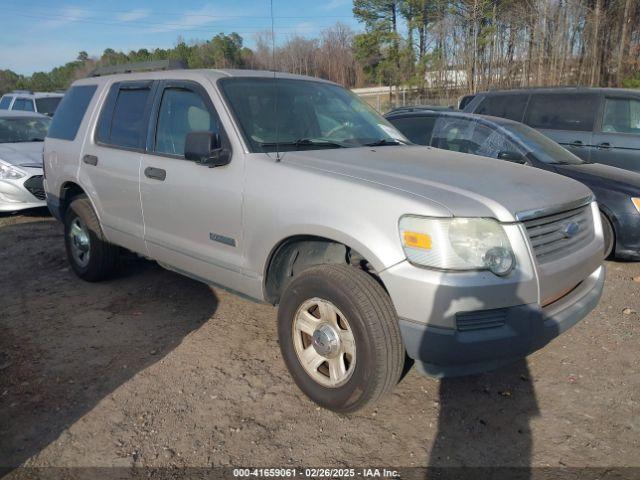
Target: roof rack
139	67
28	92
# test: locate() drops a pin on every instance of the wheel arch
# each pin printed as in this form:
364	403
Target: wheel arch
297	252
68	191
613	221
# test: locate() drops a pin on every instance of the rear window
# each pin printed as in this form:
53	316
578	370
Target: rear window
416	129
5	102
70	112
562	111
24	104
47	105
123	121
504	106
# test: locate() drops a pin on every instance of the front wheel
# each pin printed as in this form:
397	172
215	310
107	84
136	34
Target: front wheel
90	255
340	337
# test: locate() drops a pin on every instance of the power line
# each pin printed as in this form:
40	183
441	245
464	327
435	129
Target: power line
183	14
167	26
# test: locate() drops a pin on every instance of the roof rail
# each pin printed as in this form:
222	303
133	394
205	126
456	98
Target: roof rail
139	67
28	92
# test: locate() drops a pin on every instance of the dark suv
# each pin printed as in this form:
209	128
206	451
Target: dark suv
599	125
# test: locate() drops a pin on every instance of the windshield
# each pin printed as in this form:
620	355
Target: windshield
23	129
288	114
47	105
544	149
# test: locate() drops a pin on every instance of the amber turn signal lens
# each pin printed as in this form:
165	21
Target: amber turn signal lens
416	240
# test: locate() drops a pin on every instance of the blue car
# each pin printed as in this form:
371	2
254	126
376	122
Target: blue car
617	190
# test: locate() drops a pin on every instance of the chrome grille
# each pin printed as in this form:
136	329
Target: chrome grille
553	236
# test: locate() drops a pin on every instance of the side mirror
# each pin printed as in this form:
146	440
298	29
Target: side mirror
512	157
205	148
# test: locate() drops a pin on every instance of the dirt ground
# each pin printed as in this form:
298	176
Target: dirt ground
154	369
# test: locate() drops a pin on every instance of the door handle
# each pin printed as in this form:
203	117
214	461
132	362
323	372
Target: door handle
90	160
155	173
577	143
604	146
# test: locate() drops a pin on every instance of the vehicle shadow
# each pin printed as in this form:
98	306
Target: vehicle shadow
485	423
66	344
484	420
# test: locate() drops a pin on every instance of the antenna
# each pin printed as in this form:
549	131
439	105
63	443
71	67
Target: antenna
275	82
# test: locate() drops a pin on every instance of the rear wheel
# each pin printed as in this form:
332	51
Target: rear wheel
339	337
609	236
90	255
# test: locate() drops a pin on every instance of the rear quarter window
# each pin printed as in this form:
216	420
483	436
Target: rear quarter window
416	129
562	111
5	102
504	106
70	112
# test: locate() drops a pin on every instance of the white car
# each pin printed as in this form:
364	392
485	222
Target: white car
28	101
21	139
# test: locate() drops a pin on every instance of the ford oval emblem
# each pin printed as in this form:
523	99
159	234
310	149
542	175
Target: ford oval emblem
571	229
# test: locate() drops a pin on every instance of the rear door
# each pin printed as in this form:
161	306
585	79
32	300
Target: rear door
192	213
617	136
567	118
110	165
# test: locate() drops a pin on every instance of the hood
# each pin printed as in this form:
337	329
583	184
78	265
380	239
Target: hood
24	154
597	175
467	185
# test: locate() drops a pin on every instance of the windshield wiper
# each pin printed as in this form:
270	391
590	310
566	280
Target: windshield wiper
305	142
383	142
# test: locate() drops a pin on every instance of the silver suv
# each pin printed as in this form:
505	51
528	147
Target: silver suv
292	191
28	101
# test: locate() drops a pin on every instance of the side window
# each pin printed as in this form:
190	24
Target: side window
182	111
468	136
70	112
505	106
5	102
560	111
416	129
128	122
24	104
621	115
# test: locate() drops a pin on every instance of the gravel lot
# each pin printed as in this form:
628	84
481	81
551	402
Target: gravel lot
154	369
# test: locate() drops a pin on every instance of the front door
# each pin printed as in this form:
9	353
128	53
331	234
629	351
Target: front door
192	213
617	141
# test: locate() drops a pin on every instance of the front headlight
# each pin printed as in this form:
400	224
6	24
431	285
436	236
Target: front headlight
9	172
636	203
457	244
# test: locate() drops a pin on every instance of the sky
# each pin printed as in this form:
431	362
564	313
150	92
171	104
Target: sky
37	35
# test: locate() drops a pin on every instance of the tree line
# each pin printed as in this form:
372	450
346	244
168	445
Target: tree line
480	44
457	46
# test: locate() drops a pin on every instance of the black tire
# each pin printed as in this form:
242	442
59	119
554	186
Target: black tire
380	353
103	256
609	236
